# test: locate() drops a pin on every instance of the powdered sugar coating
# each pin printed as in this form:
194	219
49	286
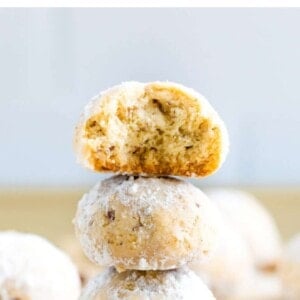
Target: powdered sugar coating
146	223
32	268
177	284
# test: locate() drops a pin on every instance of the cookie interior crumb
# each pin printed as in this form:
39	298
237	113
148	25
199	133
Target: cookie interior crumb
162	132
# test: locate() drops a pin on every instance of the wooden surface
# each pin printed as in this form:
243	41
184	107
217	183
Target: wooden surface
49	212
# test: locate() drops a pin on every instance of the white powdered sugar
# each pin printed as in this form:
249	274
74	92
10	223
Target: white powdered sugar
176	284
140	193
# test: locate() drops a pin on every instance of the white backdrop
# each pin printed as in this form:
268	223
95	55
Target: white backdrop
246	62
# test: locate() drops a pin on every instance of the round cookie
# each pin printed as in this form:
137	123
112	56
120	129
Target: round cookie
232	254
259	286
290	269
33	269
176	284
156	128
146	223
253	222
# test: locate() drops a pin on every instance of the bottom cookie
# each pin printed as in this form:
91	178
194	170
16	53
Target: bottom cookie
168	285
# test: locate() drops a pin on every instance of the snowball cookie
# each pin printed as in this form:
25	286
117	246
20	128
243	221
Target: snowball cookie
33	269
146	223
86	268
229	266
254	223
158	128
290	269
178	284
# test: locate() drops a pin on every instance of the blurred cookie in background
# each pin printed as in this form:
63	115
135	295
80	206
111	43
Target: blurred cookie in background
255	224
32	268
245	263
259	286
229	266
290	269
87	269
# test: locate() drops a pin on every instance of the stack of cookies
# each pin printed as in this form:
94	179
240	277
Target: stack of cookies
141	224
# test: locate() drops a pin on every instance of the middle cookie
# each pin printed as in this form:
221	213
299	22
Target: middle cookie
146	223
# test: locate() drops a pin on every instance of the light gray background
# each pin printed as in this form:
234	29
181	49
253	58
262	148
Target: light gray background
246	62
